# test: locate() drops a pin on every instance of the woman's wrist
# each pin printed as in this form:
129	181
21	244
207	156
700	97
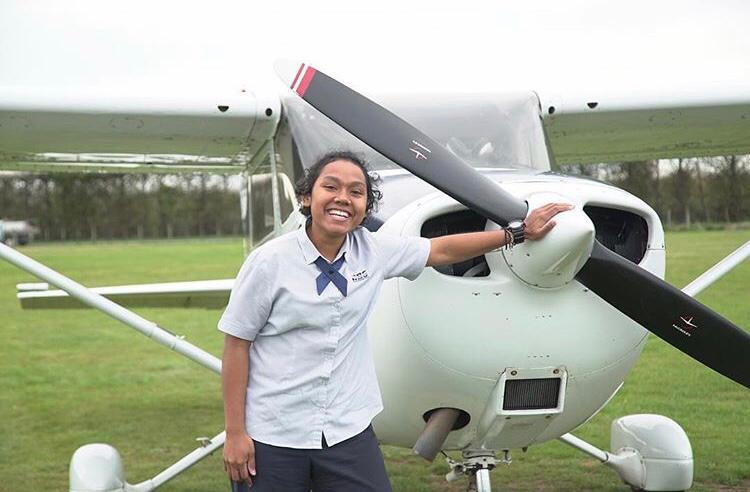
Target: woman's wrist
235	432
516	232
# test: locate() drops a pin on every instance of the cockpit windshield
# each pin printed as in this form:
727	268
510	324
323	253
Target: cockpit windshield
487	131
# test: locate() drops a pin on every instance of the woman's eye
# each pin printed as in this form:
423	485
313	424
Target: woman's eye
357	193
329	187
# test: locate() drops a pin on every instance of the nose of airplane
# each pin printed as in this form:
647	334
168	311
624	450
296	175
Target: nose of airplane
554	260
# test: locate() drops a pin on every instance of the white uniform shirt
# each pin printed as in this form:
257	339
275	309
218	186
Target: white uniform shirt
311	369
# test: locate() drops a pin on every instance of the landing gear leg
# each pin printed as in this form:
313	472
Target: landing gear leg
476	465
483	480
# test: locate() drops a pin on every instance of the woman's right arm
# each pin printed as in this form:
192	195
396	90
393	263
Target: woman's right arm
239	450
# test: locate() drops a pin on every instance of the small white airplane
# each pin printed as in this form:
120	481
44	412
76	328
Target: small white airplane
508	350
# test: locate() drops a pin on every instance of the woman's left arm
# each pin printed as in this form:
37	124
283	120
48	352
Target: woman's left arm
446	250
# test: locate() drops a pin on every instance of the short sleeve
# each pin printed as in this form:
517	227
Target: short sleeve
403	256
250	301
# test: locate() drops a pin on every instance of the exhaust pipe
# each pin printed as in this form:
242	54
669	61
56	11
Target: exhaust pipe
435	432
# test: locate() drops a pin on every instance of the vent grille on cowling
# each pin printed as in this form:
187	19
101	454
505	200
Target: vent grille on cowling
531	394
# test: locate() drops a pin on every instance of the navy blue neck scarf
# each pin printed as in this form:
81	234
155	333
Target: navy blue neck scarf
330	273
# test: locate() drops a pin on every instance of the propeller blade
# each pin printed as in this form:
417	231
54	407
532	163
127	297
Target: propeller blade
669	313
659	307
402	143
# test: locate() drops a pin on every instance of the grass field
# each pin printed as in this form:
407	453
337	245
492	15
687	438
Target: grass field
68	378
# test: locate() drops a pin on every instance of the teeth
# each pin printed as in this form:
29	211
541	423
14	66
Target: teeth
338	213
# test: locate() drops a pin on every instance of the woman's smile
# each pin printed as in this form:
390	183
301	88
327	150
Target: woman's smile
339	214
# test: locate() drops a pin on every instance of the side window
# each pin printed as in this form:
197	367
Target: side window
257	195
259	211
289	169
258	202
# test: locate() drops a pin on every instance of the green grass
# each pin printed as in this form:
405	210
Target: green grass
68	378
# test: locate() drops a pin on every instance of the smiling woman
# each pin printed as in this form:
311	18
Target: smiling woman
298	408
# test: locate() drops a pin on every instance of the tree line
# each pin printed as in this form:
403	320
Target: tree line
121	206
704	190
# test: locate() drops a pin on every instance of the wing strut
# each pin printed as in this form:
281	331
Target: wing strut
111	309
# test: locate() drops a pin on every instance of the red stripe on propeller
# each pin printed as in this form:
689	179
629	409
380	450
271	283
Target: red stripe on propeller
301	66
306	79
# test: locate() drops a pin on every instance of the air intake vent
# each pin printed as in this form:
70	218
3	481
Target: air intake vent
531	394
623	232
457	223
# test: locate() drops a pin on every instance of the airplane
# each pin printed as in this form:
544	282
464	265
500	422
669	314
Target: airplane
516	374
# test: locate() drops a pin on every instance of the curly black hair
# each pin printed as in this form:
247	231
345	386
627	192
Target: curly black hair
304	185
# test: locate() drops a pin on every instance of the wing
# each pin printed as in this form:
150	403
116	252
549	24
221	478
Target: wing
208	294
95	131
706	122
43	131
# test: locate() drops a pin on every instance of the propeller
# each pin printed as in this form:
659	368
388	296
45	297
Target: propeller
649	301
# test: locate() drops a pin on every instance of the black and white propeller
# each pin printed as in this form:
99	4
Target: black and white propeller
656	305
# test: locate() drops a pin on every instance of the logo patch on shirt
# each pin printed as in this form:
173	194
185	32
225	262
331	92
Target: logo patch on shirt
359	276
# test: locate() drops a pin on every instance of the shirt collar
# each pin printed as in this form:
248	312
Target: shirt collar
310	252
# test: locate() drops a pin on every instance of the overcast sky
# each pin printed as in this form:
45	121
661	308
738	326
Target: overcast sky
379	46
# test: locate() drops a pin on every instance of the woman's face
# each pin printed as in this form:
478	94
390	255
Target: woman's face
339	198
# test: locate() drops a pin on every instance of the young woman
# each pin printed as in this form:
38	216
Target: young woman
298	380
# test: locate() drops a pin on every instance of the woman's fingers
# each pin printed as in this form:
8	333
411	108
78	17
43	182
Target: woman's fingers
239	472
234	473
250	473
251	455
538	223
239	458
555	208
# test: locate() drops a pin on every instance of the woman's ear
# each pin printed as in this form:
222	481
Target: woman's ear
305	200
